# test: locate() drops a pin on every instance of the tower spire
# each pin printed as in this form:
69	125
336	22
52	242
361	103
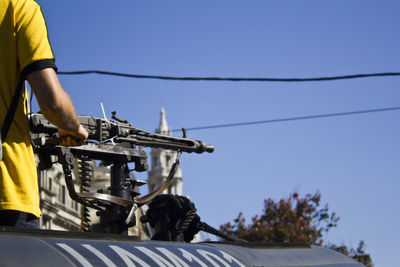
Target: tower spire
163	126
161	163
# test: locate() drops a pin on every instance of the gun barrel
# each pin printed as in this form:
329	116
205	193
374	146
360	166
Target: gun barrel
168	142
102	131
207	148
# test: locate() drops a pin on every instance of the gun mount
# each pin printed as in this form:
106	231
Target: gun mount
116	143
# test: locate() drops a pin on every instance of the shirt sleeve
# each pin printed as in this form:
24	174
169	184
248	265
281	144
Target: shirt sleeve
33	46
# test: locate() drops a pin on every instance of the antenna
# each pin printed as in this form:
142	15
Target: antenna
102	109
105	117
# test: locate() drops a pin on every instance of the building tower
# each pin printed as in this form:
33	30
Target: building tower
161	163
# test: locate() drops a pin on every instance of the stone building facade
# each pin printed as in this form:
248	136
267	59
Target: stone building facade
59	211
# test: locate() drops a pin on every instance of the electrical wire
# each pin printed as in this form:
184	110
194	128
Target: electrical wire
290	119
232	79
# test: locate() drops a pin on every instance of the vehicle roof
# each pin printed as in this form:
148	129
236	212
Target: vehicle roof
23	247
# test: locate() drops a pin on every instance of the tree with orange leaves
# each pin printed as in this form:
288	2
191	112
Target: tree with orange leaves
294	219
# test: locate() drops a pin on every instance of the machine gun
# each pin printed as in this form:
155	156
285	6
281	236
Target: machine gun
116	143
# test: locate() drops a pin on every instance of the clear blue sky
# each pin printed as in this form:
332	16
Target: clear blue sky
353	161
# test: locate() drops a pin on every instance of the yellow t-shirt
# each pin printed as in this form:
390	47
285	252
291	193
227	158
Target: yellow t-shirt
24	48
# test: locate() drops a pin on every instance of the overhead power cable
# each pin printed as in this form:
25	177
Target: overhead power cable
232	79
289	119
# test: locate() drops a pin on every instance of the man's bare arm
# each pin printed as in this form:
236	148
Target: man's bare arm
57	106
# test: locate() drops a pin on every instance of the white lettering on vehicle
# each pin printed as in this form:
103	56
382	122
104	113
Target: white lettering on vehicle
207	255
172	257
190	257
161	256
155	257
75	254
127	257
231	259
100	255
